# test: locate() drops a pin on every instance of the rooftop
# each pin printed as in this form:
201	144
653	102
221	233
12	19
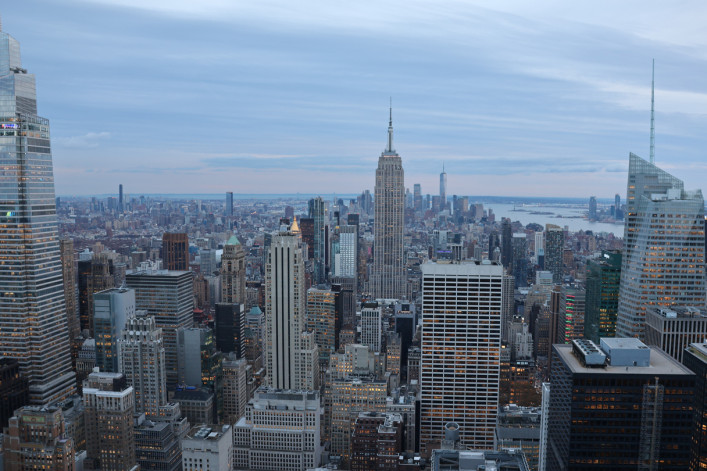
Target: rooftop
660	363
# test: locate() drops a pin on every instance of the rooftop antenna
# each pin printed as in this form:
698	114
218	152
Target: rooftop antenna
653	115
390	128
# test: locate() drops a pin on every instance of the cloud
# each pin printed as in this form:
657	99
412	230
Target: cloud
86	141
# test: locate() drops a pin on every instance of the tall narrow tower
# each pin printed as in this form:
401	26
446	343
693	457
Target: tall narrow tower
388	276
33	322
443	190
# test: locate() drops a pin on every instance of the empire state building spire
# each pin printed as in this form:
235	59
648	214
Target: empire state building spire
389	149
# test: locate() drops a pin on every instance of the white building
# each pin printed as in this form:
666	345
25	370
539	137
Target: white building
280	432
371	326
346	260
288	352
208	447
141	359
461	343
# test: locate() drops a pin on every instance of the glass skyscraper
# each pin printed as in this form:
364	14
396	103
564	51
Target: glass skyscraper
664	246
33	322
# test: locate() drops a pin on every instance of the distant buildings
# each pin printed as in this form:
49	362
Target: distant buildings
554	249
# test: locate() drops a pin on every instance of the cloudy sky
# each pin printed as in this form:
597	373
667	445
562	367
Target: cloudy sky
542	98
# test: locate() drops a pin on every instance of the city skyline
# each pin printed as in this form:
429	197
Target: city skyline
273	87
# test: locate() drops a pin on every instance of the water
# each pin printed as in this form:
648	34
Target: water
572	217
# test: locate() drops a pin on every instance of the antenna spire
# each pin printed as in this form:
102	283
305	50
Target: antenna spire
652	155
390	128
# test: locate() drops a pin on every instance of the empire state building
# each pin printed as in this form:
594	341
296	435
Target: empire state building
388	278
33	322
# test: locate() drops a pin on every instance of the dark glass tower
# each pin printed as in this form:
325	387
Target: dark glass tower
602	301
33	323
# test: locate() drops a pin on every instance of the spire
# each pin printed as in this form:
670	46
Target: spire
652	160
390	129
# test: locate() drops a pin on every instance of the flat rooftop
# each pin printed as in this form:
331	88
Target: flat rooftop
660	363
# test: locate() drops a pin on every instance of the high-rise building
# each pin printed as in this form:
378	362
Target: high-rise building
443	190
175	251
112	309
68	271
168	296
602	296
520	260
663	263
121	206
371	325
199	361
506	243
109	406
36	440
674	329
208	447
157	445
519	428
417	197
317	212
346	262
376	441
280	431
570	324
233	272
321	319
620	405
230	328
229	204
235	388
287	353
141	358
33	320
554	249
461	344
592	208
95	275
695	358
388	277
14	392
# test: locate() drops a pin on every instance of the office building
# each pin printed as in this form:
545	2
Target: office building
111	310
371	325
141	357
157	446
674	329
520	260
403	401
68	272
570	324
279	432
592	215
317	212
233	272
620	405
199	360
346	262
208	447
461	343
519	428
554	250
36	440
695	358
230	328
109	407
31	273
235	388
95	274
175	251
663	262
443	190
322	320
168	297
288	353
14	390
228	212
602	295
506	243
388	278
376	442
197	404
121	205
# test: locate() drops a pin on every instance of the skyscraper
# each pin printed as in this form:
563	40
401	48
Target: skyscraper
461	348
554	249
175	251
443	190
229	204
592	208
233	272
316	213
33	322
602	297
664	246
120	198
69	276
417	196
346	263
142	361
506	243
388	277
286	359
112	308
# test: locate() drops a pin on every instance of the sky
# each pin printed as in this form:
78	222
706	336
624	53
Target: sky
542	98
